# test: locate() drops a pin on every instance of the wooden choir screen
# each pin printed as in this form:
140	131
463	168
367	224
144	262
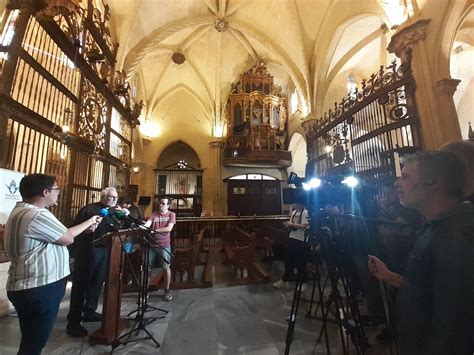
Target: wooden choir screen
87	182
31	151
369	129
59	91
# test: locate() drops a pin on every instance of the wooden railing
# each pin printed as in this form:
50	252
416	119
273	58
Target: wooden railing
186	227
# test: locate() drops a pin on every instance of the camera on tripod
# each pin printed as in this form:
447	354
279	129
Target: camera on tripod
318	192
328	199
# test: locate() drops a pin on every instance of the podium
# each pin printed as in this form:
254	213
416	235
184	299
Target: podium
112	325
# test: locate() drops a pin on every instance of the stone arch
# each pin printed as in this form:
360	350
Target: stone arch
456	15
176	151
205	105
147	44
298	149
456	62
321	70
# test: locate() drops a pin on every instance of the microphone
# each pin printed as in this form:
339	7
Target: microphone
104	212
122	215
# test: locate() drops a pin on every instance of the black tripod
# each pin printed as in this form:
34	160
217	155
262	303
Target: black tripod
140	320
346	314
295	303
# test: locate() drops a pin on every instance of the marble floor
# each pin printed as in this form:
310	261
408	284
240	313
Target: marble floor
218	320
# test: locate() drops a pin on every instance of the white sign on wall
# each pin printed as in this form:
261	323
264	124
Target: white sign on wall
9	192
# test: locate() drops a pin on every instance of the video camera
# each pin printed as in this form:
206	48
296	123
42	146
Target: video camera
317	193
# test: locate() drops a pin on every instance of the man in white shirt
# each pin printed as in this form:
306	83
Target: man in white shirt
35	242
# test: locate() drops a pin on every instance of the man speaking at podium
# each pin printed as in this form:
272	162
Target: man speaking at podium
91	262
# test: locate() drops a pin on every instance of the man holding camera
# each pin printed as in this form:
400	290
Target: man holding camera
434	301
296	248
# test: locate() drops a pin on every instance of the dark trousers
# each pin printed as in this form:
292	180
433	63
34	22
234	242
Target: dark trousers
295	256
90	267
37	310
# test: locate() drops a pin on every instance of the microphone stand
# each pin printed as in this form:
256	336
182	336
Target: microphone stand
140	320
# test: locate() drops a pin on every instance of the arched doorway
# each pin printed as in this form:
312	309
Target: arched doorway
179	177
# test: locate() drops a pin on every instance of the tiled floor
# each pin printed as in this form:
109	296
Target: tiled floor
218	320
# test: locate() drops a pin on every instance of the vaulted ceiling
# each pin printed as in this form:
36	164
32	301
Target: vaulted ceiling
307	45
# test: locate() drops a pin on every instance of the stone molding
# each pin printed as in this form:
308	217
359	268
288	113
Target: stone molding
217	144
408	36
446	86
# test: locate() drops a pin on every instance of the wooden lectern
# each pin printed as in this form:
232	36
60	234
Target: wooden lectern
112	325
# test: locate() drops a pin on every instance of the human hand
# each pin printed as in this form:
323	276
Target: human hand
378	268
94	222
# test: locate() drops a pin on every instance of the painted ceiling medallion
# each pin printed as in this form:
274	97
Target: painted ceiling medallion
178	58
221	25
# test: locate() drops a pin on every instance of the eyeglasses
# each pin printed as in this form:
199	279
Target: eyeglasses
58	189
114	197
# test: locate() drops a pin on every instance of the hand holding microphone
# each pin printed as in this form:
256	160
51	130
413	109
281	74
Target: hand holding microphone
94	222
96	219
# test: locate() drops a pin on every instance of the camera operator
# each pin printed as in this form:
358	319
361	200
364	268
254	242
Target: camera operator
434	300
395	241
296	248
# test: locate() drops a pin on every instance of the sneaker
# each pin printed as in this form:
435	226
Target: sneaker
280	284
76	331
167	296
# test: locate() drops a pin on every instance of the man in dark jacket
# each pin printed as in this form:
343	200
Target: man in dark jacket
90	263
435	312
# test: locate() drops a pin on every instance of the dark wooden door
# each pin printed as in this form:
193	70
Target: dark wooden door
253	197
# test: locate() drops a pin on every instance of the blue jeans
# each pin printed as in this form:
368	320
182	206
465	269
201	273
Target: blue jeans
37	310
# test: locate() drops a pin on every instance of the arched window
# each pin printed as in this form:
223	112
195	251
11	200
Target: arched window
351	84
294	101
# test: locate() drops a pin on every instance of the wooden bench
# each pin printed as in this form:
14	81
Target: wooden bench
185	260
202	252
239	249
272	240
183	266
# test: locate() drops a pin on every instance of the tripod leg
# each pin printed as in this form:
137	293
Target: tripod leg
151	337
324	314
293	313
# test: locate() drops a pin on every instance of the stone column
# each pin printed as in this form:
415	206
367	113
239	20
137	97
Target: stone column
434	97
218	194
